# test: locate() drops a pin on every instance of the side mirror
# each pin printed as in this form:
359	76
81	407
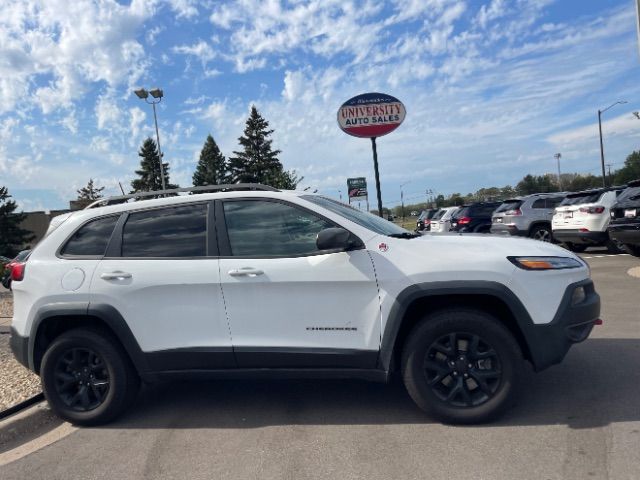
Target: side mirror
336	239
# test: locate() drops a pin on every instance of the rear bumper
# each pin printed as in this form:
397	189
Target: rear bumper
20	347
573	322
585	238
506	229
628	233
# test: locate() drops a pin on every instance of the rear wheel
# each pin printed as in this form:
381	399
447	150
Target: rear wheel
462	366
87	377
542	233
613	246
576	247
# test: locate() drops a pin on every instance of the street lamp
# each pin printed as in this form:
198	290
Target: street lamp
157	94
402	197
557	156
600	112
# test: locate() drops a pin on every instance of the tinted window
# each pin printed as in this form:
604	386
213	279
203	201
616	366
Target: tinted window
578	199
166	232
509	205
439	215
92	238
539	203
262	228
553	202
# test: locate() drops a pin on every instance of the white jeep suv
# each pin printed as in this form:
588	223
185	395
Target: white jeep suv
251	281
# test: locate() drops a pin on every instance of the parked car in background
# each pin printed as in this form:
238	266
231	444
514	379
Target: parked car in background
424	220
528	216
474	218
624	225
6	276
581	220
441	222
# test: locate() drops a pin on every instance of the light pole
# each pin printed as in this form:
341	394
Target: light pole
600	112
402	197
557	156
157	94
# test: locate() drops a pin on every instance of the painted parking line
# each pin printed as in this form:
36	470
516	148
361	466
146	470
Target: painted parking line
609	256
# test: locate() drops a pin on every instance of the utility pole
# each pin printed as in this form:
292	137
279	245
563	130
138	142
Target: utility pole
609	172
600	112
557	156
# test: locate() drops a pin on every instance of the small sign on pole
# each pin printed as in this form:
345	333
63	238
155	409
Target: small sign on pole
357	188
371	115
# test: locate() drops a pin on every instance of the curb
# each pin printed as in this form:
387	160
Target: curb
25	422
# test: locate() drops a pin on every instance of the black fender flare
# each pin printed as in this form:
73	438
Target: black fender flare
106	313
448	288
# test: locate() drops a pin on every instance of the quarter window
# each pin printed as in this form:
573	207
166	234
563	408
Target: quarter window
262	228
539	203
166	232
91	239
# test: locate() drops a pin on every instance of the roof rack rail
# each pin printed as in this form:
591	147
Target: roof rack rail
101	202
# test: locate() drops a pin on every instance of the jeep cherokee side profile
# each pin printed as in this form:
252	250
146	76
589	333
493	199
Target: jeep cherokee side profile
251	281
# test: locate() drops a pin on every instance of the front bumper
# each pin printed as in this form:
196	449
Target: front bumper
581	238
628	233
19	347
573	322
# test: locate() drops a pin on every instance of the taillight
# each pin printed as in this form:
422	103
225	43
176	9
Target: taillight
17	271
464	220
515	212
597	209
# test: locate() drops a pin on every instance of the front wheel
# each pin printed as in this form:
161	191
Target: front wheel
462	366
87	377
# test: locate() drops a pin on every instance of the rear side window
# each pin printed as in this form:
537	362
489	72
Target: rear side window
553	202
509	205
539	203
92	238
166	232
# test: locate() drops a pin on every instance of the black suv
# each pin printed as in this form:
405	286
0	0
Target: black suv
424	220
624	226
474	218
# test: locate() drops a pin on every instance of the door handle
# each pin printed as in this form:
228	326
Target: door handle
117	275
245	272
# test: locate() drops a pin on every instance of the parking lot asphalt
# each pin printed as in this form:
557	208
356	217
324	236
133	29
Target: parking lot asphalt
577	420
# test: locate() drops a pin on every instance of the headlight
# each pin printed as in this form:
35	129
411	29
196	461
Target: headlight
545	263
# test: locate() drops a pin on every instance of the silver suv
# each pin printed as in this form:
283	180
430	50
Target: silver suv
528	216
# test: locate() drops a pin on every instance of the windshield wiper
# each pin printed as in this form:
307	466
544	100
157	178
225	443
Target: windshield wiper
404	235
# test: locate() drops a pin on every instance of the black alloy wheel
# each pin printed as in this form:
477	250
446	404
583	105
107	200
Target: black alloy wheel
462	365
87	377
542	234
462	369
81	379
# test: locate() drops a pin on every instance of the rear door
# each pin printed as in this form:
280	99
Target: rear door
161	274
290	304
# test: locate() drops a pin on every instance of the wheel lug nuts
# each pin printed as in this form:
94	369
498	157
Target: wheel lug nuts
470	366
466	375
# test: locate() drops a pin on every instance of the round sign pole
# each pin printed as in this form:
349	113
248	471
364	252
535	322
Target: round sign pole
375	169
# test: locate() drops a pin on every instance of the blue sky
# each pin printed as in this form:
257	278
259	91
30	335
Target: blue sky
492	88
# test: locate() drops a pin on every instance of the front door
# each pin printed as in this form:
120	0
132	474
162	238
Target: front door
289	304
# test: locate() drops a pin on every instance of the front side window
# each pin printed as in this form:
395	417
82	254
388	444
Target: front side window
92	238
166	232
264	229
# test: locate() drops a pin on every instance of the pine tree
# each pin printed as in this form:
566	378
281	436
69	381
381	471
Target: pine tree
149	172
212	167
257	162
12	237
90	192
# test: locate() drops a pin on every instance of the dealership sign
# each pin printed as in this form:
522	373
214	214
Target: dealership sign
371	115
357	187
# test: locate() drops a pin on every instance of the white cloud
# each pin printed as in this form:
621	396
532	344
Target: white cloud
201	50
137	118
184	8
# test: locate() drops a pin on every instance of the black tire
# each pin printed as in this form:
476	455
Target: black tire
632	249
541	233
492	381
613	246
87	377
575	247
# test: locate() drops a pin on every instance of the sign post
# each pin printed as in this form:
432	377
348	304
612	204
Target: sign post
371	115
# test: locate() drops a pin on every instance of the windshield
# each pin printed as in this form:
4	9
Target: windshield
509	205
364	219
588	197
